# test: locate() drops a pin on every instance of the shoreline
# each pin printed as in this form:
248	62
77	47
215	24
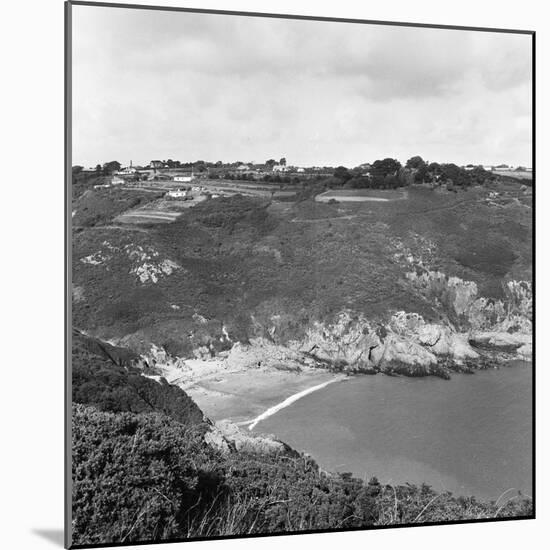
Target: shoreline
288	401
241	396
246	394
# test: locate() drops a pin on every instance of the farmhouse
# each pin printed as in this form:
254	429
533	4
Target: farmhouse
184	178
128	171
180	194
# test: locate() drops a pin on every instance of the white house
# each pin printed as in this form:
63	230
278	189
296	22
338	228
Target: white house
280	168
129	170
179	194
300	170
116	180
184	179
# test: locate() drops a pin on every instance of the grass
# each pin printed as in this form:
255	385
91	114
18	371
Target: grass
100	206
390	194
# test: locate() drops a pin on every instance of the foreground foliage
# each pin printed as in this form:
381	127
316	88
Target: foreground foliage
145	477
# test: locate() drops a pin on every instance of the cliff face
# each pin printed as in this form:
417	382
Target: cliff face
470	325
471	330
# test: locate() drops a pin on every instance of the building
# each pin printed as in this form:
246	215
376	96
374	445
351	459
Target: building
180	194
128	171
300	170
156	164
183	178
280	168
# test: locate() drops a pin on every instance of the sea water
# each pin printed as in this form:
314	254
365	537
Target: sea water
471	435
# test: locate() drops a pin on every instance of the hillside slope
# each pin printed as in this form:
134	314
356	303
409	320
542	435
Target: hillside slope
439	266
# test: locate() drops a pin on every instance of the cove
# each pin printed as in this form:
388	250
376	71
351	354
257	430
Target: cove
471	435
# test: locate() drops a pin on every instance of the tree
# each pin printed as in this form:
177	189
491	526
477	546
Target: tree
406	176
455	175
386	167
342	173
415	163
98	169
110	167
77	169
270	163
282	162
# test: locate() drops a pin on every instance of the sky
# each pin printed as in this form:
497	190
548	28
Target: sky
157	85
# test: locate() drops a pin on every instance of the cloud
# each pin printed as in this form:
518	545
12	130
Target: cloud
163	84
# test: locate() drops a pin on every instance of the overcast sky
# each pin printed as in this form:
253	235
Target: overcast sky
158	85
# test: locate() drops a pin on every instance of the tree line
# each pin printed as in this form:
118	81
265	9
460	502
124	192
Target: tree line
389	173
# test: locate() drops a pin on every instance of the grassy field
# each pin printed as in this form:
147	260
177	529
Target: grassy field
514	174
100	206
361	195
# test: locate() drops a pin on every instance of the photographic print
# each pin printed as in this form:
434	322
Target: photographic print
299	274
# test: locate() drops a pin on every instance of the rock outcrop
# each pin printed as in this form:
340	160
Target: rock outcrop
225	432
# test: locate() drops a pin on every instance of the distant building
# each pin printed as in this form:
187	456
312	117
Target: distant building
184	178
179	194
157	164
488	167
128	171
117	180
243	167
280	168
300	170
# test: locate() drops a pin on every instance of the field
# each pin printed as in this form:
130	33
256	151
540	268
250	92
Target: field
514	174
361	195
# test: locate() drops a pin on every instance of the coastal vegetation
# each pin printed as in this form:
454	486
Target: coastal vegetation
141	476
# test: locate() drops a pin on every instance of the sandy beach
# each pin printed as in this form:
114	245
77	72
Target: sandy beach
242	396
